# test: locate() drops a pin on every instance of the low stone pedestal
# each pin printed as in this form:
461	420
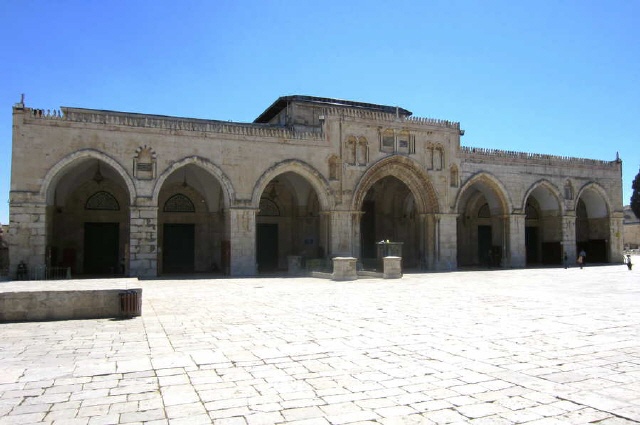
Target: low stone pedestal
294	265
392	267
344	268
69	299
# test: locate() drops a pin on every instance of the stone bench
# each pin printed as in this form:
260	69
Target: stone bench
26	301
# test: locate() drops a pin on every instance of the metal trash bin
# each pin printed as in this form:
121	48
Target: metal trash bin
130	304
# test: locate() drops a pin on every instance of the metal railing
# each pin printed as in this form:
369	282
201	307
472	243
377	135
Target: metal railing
43	273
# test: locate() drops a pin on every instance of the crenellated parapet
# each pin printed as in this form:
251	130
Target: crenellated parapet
482	155
112	118
386	117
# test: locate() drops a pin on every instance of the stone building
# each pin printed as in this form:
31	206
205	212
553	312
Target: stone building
631	229
107	192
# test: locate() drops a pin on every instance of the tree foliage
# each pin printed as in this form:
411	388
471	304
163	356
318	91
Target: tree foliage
635	196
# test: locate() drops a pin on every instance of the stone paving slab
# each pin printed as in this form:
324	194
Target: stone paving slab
536	346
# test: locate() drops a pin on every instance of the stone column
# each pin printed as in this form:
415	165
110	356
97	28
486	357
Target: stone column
516	253
143	241
27	234
342	234
616	230
423	237
446	250
242	232
569	237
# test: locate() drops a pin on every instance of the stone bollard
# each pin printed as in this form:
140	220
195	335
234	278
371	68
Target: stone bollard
344	268
294	263
392	267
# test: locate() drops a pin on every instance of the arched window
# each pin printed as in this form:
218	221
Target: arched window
333	168
268	208
362	153
102	201
453	176
179	203
484	211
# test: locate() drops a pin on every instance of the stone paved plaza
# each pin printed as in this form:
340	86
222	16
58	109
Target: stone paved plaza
536	346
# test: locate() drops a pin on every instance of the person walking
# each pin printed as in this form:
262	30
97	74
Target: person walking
627	260
582	258
566	260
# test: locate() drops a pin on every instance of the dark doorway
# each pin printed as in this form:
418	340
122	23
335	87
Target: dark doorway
178	248
484	245
531	244
267	247
101	248
596	250
551	253
368	230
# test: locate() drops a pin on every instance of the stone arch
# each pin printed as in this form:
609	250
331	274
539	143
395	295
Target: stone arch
483	204
55	173
406	170
501	200
301	194
593	223
544	209
597	206
317	181
546	202
88	196
212	169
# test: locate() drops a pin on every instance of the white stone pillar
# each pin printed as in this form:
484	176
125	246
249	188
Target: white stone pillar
569	237
342	233
616	241
242	231
516	250
27	234
143	241
446	235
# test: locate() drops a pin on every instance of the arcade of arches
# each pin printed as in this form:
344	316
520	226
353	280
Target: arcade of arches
193	231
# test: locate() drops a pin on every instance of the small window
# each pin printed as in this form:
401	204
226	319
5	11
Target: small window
102	201
179	203
388	141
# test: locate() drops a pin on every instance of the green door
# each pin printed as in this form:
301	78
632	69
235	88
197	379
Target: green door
267	247
178	248
101	248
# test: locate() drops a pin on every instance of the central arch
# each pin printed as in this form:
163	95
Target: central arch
394	198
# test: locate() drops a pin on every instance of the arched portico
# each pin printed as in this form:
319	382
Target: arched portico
88	197
290	220
543	224
193	236
396	201
593	223
483	225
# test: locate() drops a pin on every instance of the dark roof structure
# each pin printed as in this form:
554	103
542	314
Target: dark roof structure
283	101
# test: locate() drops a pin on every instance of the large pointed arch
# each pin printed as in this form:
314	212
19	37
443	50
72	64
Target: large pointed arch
544	209
496	193
212	169
483	204
406	170
547	193
317	181
55	173
596	200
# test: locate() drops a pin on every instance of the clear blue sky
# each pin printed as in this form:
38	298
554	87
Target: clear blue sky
555	77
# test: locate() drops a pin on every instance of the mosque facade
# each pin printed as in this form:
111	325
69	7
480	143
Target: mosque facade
116	193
